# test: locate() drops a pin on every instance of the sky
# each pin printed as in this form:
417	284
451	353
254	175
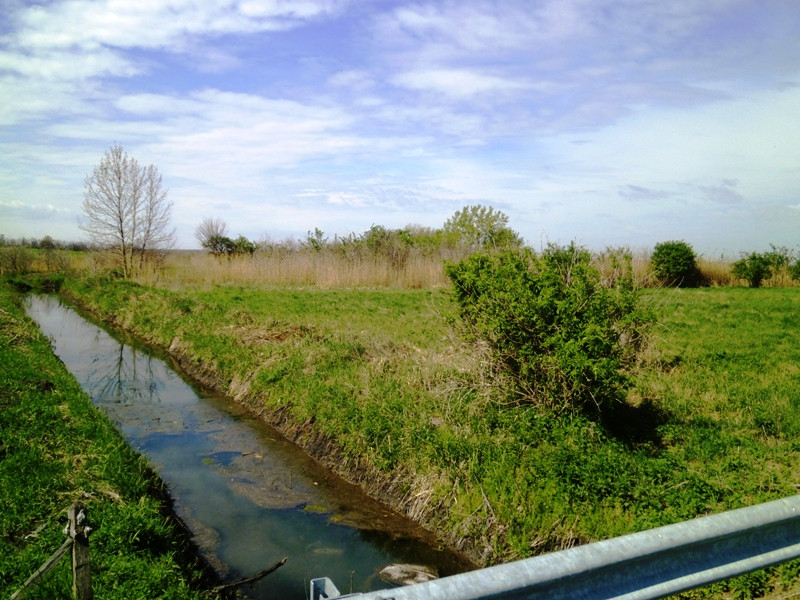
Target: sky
604	122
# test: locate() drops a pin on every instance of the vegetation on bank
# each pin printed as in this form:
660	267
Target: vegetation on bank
709	423
565	336
56	448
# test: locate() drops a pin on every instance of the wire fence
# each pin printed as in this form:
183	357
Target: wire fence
77	532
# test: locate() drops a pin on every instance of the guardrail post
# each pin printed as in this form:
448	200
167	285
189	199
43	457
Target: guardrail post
79	532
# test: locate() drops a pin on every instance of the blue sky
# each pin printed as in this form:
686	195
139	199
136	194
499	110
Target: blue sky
607	122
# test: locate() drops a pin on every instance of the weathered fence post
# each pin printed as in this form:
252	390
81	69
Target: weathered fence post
79	532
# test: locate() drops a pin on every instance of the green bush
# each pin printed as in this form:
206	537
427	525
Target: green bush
242	246
394	245
564	337
674	263
794	271
755	268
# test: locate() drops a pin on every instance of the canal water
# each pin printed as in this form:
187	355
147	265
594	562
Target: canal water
249	496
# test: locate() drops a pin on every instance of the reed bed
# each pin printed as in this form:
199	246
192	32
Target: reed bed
326	269
716	272
329	268
297	269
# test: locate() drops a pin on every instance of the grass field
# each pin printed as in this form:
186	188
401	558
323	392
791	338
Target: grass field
55	448
711	423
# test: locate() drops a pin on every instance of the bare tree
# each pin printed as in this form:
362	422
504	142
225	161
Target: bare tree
155	232
126	209
212	234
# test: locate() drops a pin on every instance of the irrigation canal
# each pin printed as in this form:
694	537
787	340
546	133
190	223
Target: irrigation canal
249	496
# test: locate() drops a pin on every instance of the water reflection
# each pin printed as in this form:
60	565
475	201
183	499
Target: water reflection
249	496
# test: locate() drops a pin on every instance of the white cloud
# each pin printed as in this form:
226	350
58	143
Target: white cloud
54	65
90	24
606	116
31	99
457	83
57	51
481	27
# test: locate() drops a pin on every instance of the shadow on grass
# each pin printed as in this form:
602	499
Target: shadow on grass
634	425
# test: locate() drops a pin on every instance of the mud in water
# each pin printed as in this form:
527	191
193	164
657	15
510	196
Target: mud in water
249	496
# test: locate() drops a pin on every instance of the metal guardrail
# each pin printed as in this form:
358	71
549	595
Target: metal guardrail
641	566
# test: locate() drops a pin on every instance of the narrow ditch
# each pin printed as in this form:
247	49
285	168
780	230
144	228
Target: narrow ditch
249	496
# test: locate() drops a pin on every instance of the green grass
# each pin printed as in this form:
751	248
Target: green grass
55	448
710	425
726	370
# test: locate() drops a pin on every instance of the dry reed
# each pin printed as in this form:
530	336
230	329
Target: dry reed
312	269
329	269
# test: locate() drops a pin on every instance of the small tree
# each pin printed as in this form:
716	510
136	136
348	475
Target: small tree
220	245
154	232
794	270
480	228
126	209
242	246
316	240
755	268
778	256
674	263
394	245
47	243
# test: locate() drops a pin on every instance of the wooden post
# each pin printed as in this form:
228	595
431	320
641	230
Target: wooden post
79	532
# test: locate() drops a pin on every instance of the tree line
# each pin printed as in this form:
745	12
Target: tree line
126	211
470	229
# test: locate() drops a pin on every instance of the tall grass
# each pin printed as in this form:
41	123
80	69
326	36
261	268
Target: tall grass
331	269
419	270
336	266
716	272
328	268
306	268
